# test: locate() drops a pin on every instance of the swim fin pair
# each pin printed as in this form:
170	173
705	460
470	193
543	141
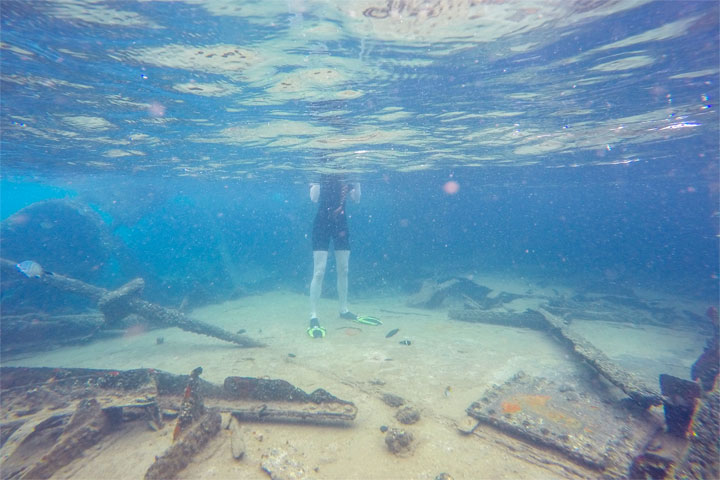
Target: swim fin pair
316	331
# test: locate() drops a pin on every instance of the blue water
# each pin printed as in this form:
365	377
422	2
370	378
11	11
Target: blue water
182	233
568	162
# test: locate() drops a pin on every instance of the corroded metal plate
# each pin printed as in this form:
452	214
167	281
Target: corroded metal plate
589	429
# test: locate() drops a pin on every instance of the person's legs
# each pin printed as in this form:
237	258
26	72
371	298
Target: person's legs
319	264
342	260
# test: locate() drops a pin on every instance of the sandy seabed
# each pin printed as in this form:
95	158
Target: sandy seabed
447	366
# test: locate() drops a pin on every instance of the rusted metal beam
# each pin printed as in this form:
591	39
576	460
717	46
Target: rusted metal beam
545	321
116	304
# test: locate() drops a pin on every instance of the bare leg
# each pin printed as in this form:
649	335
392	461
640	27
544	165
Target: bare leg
319	264
342	260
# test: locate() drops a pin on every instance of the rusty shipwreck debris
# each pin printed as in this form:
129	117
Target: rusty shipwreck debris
433	293
457	291
192	406
259	399
575	343
707	366
570	417
117	304
39	330
689	447
180	454
85	427
50	416
195	427
589	425
586	351
665	450
701	457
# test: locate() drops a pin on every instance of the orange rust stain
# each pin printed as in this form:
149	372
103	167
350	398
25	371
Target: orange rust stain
534	400
511	407
538	405
566	420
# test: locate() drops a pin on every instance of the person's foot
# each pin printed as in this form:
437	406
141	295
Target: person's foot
348	315
315	330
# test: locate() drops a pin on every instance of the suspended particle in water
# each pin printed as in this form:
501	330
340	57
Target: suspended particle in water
156	109
451	187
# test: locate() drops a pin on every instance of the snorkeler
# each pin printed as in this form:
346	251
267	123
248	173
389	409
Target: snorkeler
330	223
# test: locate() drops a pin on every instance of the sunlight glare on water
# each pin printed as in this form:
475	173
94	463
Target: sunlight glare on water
222	88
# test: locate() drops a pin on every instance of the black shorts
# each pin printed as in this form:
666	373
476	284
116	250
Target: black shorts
327	227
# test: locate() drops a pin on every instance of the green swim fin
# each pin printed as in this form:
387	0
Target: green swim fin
367	320
315	330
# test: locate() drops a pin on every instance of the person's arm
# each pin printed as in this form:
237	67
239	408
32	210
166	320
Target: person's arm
314	192
355	192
